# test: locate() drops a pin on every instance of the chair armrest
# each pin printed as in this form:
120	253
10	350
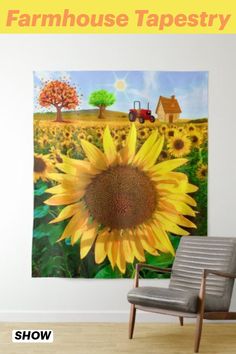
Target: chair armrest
206	272
202	291
140	266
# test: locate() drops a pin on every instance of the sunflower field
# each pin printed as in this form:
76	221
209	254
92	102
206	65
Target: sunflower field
108	195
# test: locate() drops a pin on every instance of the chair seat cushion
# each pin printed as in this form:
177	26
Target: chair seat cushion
174	299
170	299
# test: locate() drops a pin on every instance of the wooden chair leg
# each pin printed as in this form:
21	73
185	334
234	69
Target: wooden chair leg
198	333
181	321
132	321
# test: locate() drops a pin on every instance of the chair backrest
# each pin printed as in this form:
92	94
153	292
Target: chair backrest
198	252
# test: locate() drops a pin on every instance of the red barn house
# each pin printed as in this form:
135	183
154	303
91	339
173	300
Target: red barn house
168	109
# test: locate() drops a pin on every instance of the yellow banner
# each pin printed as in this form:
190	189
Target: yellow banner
121	16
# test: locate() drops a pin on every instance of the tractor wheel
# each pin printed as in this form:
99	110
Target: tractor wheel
132	117
152	119
141	120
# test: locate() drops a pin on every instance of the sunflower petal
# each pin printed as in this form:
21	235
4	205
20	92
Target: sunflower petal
100	252
95	156
64	199
156	239
67	212
163	204
64	178
183	198
59	189
128	253
109	146
145	148
136	247
170	226
109	245
182	208
145	243
175	177
87	240
167	166
153	155
180	188
81	166
76	236
191	188
115	245
178	219
165	181
128	151
73	225
120	260
67	168
163	237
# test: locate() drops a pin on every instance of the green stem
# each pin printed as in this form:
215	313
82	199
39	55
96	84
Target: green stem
200	155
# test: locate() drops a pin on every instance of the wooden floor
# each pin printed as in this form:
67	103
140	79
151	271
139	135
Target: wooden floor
111	338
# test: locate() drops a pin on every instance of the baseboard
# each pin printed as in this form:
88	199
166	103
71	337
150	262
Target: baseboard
81	316
90	316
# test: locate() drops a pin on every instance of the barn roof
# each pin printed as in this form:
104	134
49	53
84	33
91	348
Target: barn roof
170	105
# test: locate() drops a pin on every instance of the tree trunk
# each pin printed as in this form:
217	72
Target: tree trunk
59	116
101	112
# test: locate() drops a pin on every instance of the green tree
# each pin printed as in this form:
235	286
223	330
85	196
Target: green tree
102	99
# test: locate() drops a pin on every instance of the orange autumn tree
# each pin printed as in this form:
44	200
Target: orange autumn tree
60	95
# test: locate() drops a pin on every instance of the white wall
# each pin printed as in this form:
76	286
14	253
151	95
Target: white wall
24	298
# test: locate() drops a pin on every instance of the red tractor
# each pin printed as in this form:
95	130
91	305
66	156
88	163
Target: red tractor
140	113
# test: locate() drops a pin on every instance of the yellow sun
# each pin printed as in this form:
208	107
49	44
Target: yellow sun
120	85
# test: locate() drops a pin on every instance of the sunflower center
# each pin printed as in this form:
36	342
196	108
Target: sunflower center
121	197
39	165
58	158
194	139
178	144
163	154
204	172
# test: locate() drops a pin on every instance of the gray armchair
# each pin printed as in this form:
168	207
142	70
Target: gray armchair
201	284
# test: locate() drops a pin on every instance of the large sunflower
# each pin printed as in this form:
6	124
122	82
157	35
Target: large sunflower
122	202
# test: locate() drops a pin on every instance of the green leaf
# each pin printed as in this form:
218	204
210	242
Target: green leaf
40	191
108	273
55	266
162	261
175	240
53	232
41	211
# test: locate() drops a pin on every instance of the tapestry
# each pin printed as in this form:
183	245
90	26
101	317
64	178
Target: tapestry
120	170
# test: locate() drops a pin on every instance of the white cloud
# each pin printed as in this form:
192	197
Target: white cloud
37	89
150	82
194	103
150	79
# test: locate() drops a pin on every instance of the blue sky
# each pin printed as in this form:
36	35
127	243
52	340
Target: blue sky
189	87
